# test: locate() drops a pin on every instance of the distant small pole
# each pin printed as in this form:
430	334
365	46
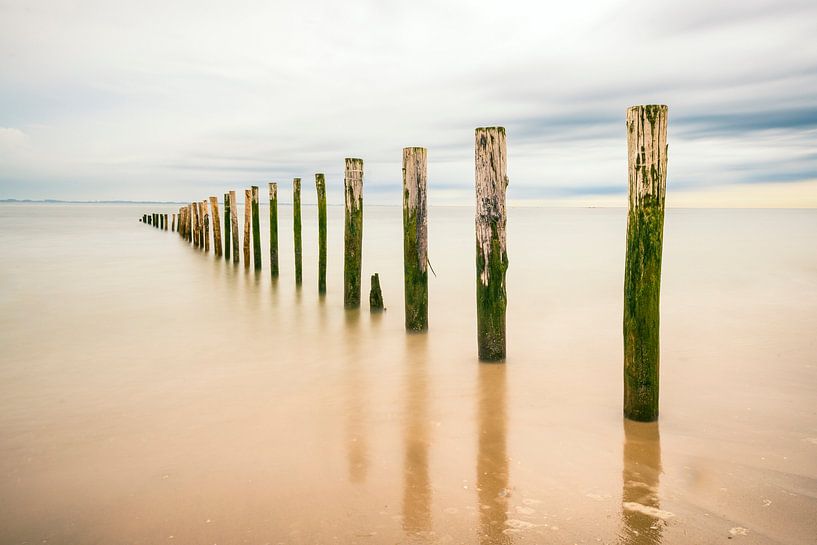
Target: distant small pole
161	221
165	222
273	229
144	218
227	237
492	258
173	223
247	220
195	211
203	234
216	226
320	185
296	225
376	295
155	220
256	230
150	219
234	224
415	238
647	181
353	235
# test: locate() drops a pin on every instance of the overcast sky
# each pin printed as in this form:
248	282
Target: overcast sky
179	100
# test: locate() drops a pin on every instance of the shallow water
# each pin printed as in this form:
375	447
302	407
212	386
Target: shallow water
150	393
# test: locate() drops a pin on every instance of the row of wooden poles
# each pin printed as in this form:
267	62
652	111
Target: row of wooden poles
647	164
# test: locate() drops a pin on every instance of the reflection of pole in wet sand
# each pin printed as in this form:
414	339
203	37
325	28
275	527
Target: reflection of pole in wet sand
355	401
640	507
417	486
492	460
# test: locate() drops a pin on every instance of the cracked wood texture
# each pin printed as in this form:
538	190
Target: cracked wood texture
296	228
415	238
492	258
353	232
256	229
320	187
273	229
216	226
227	227
234	224
247	223
647	181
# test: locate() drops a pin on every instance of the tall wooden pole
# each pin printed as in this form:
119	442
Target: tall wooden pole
166	222
320	186
234	223
247	223
173	223
205	224
296	228
353	234
415	239
190	223
256	230
195	223
647	180
227	224
492	258
216	226
273	229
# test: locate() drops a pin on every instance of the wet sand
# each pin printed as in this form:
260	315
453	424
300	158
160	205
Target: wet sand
150	393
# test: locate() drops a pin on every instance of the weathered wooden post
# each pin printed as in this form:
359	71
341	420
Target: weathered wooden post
155	220
204	235
166	222
256	230
415	238
144	218
492	258
273	229
190	223
206	211
172	222
353	235
296	227
195	211
320	185
227	223
216	226
376	295
234	224
247	216
647	180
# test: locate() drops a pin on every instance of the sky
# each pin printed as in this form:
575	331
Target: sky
146	100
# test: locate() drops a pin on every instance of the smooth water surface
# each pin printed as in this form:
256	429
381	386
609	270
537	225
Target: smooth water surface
150	393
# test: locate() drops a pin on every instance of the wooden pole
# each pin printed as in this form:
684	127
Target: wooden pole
256	230
647	180
353	234
415	238
206	224
189	223
234	224
165	222
247	216
320	185
216	226
203	239
273	229
296	224
376	295
227	224
173	223
144	218
492	258
195	221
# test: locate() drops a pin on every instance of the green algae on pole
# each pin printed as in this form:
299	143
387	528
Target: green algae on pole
492	259
227	226
296	228
647	182
247	216
216	226
415	239
273	229
320	185
234	224
256	230
353	232
376	295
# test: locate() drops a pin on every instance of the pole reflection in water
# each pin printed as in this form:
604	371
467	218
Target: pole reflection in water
640	507
492	460
417	486
355	401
